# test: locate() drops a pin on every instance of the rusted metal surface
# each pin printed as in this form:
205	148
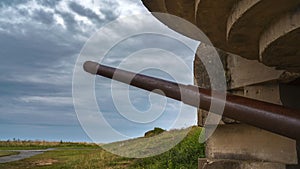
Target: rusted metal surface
267	116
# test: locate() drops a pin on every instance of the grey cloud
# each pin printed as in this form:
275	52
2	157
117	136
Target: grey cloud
73	27
43	17
69	20
147	41
23	12
4	3
36	48
108	10
80	10
109	13
48	3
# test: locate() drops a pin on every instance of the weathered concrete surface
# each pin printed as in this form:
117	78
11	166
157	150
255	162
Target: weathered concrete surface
182	8
268	92
156	5
201	77
247	21
243	142
22	155
253	29
235	164
211	18
240	72
279	43
245	72
298	165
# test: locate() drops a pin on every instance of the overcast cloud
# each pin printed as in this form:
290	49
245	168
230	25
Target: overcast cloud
40	41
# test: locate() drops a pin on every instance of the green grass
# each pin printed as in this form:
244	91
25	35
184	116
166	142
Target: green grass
183	155
8	153
34	145
67	158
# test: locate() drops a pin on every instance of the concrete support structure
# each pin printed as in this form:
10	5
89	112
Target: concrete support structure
237	145
248	32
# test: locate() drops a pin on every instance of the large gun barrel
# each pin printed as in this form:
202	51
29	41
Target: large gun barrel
267	116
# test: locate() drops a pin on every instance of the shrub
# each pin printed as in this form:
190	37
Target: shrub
154	132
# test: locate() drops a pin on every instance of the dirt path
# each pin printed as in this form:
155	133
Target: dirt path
23	154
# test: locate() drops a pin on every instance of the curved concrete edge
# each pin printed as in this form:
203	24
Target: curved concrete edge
286	24
211	18
182	27
249	19
238	11
197	2
155	5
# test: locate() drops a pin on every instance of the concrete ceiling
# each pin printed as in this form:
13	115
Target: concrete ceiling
265	30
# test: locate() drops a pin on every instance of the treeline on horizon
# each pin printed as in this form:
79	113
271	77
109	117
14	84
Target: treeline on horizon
41	144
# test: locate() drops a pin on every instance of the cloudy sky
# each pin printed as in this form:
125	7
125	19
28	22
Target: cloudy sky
40	42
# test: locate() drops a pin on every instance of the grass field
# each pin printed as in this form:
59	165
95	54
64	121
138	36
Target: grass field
80	155
34	145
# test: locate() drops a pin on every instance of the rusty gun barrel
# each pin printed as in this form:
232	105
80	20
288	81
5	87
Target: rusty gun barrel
267	116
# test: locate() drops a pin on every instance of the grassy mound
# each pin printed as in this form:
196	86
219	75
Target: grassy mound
183	155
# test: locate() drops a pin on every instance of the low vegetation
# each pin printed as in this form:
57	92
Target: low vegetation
34	145
82	155
154	132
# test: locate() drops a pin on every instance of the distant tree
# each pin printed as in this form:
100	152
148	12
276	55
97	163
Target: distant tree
154	132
